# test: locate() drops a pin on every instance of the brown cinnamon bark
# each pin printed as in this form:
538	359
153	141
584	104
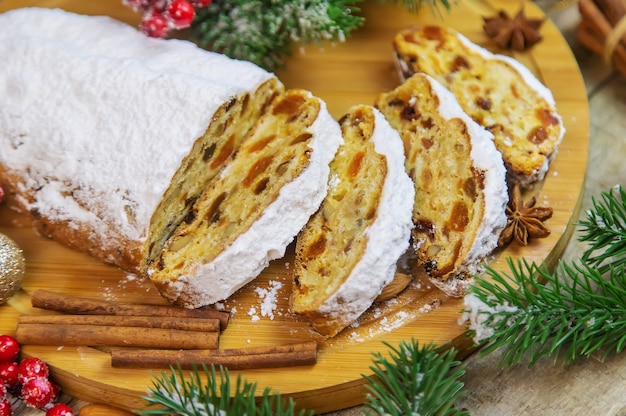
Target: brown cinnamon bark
118	336
594	30
234	359
83	306
614	10
164	322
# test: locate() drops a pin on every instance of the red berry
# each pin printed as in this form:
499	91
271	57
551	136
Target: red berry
181	12
37	392
9	348
8	374
30	368
60	409
56	391
5	407
154	25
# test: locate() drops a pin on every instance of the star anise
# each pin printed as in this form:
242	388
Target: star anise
519	33
525	220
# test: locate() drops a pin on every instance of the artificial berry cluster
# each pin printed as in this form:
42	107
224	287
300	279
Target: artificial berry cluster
27	379
161	16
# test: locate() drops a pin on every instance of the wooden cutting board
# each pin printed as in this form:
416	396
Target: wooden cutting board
346	74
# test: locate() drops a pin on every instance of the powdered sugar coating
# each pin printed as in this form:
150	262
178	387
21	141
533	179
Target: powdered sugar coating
268	238
487	159
387	237
100	116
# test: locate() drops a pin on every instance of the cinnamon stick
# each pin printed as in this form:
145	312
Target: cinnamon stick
590	12
164	322
80	306
233	359
118	336
614	10
595	22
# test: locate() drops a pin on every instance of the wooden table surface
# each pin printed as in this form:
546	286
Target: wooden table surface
588	387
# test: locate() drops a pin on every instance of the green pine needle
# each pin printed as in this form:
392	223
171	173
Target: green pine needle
415	381
203	395
263	31
605	230
574	311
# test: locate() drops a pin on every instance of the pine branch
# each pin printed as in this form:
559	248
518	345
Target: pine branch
263	31
605	230
415	381
577	310
171	394
576	313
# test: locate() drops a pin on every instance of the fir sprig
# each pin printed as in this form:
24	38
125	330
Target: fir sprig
415	380
576	310
604	229
263	31
204	394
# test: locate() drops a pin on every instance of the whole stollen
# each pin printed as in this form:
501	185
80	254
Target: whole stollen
105	162
126	142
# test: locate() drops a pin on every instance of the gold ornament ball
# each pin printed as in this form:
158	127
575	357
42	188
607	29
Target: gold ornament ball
12	268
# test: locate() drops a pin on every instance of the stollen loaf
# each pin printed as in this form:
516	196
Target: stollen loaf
459	178
348	251
108	137
255	208
496	91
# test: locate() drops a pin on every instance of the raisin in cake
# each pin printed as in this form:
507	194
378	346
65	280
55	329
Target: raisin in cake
107	137
495	90
255	208
459	177
347	252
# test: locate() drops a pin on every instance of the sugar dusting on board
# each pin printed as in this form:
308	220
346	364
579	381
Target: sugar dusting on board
111	293
268	301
